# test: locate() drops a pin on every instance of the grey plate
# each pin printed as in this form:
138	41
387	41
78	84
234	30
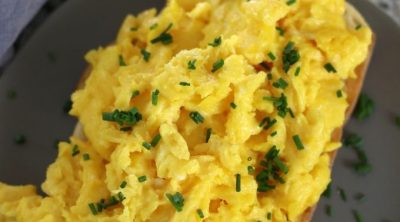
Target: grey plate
44	84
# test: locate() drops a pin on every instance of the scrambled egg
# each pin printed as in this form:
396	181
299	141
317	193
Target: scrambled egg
218	110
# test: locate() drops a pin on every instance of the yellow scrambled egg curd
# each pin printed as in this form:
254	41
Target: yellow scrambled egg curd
213	110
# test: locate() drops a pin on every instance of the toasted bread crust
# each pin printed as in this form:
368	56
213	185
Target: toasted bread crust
352	87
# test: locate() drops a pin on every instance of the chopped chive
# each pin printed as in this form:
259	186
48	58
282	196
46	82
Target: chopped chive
200	213
192	64
339	94
251	169
121	196
290	2
290	111
360	197
328	191
196	117
134	29
146	145
155	25
217	65
11	94
328	210
233	105
208	134
274	133
184	84
123	184
353	140
123	118
297	72
86	157
271	56
154	97
155	140
75	150
135	94
280	31
146	55
269	76
142	179
176	200
297	141
359	26
92	208
165	38
238	188
330	68
357	216
290	56
269	216
397	121
217	42
121	61
364	107
20	139
281	165
281	83
67	106
342	194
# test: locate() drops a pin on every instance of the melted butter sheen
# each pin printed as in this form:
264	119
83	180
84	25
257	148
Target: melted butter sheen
182	161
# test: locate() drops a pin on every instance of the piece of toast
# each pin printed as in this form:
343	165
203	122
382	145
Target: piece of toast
352	88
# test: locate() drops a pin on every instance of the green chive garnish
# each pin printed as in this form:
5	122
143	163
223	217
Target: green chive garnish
192	64
176	200
155	140
274	133
217	65
86	157
339	94
135	93
142	179
342	194
20	139
353	140
184	84
280	31
251	169
290	2
290	56
208	134
357	216
154	97
328	191
364	107
269	76
233	105
146	145
397	121
200	213
121	196
328	210
134	29
75	150
67	106
281	83
359	26
121	61
196	117
297	141
92	208
165	38
123	118
217	42
238	188
11	94
330	68
146	55
297	72
269	216
360	197
123	184
271	56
